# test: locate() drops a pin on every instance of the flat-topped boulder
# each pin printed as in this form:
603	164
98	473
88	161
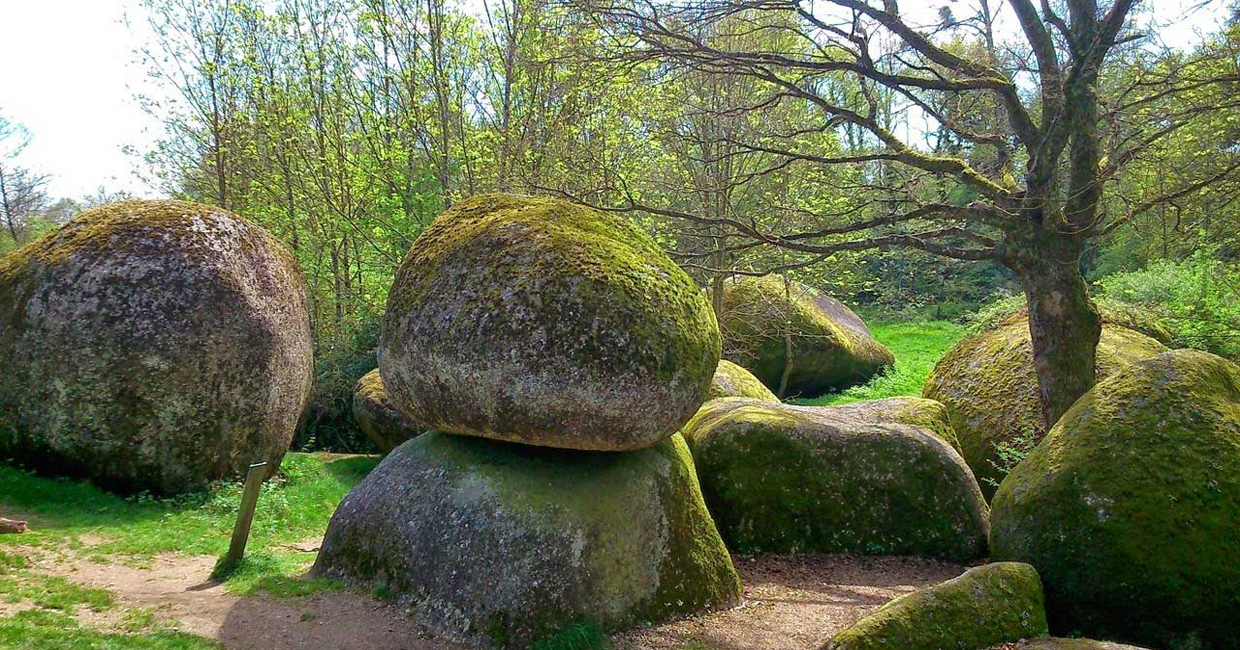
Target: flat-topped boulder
500	544
789	479
152	345
543	322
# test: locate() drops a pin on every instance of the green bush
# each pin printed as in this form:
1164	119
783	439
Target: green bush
1198	298
327	424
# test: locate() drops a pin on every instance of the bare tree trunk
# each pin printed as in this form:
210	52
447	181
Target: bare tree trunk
783	379
1063	323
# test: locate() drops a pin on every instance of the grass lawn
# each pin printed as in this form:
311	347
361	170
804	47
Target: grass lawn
293	507
917	346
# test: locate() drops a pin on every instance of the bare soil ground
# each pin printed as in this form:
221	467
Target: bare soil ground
795	602
792	602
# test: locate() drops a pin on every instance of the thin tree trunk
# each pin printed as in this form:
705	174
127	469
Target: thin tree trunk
1063	322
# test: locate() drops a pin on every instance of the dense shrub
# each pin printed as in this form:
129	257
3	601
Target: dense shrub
327	424
1198	298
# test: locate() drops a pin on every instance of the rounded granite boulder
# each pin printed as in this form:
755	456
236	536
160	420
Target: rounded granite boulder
732	380
994	603
377	418
539	321
152	345
1130	506
990	389
788	479
500	544
831	346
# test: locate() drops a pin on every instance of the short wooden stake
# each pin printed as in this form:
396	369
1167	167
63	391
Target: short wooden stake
245	514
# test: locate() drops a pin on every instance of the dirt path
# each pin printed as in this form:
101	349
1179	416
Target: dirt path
795	602
792	603
176	589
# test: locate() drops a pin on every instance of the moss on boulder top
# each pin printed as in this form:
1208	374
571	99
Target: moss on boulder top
500	544
990	389
831	346
377	418
989	604
732	380
914	411
540	321
1130	506
788	479
1056	643
152	345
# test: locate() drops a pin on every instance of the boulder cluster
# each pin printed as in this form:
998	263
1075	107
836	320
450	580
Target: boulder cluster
553	352
152	346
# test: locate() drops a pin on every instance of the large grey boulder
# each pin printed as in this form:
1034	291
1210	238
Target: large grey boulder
788	479
499	544
152	345
831	347
1130	506
375	415
538	321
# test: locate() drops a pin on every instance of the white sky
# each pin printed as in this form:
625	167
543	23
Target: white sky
68	73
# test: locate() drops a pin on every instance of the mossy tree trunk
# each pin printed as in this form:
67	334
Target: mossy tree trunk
1063	322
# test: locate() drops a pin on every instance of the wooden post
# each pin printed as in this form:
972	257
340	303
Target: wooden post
245	514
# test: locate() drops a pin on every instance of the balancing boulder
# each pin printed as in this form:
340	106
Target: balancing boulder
831	346
988	384
377	418
497	543
790	479
152	345
538	321
1130	506
993	603
732	380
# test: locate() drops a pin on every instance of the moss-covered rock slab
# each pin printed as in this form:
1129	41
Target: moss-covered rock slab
1057	643
377	418
789	479
989	604
732	380
152	345
1130	507
831	346
539	321
990	389
500	544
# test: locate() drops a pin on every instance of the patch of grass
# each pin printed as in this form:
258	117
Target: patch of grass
294	505
917	345
578	635
45	630
277	574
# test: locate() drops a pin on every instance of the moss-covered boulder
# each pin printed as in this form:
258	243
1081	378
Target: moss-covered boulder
990	389
1057	643
989	604
1130	507
831	346
538	321
789	479
914	411
500	544
152	345
377	418
732	380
